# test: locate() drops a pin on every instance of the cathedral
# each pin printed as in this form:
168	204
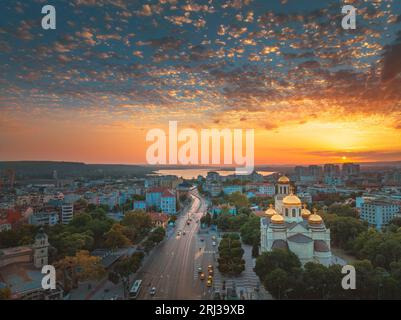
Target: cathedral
290	225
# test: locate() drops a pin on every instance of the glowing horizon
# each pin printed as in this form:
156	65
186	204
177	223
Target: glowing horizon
90	90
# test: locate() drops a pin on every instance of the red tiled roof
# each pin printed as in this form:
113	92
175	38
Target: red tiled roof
13	216
157	216
167	194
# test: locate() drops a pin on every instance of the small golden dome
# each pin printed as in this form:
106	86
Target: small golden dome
292	200
277	219
270	211
315	218
305	212
283	179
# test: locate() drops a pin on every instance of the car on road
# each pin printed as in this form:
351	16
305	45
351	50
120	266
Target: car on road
152	291
210	267
178	233
199	269
202	276
209	282
214	243
210	272
210	277
214	238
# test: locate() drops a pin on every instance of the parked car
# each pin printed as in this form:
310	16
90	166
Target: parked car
152	291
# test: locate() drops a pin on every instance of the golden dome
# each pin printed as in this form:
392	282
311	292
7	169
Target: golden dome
315	218
277	219
270	211
283	179
292	200
305	212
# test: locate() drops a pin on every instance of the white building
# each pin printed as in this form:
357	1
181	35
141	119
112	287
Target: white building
379	213
292	227
4	225
44	218
67	213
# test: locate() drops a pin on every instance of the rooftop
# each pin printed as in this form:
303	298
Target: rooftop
21	277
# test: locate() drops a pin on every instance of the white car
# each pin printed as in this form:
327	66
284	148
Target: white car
214	243
152	291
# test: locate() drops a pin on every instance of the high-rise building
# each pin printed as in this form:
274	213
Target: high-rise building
379	213
315	171
350	169
331	170
67	213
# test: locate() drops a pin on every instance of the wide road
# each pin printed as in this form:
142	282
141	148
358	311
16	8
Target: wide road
172	265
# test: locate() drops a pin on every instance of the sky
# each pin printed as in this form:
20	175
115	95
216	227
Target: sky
113	70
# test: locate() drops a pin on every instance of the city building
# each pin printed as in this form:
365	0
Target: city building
292	226
351	169
4	225
305	197
331	170
139	205
168	202
378	213
44	218
67	213
216	210
232	189
214	188
153	197
159	219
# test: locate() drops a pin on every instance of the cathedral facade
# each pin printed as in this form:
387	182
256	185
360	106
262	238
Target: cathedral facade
290	225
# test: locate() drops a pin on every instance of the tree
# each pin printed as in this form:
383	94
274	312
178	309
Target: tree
116	238
278	258
238	199
5	293
23	235
207	219
344	230
277	283
343	211
81	267
230	255
157	235
250	231
125	268
139	222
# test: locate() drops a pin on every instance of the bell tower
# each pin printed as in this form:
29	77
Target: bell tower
40	249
